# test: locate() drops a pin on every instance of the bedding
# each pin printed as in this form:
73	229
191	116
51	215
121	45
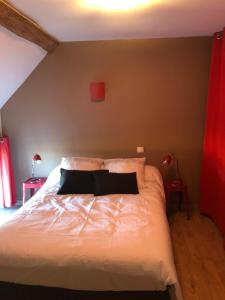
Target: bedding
86	242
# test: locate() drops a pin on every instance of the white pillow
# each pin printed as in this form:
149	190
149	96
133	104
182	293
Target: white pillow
153	174
81	163
53	177
127	165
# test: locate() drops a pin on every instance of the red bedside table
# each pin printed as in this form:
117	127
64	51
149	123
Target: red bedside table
32	185
177	186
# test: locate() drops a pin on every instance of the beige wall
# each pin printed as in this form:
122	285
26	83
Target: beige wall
156	93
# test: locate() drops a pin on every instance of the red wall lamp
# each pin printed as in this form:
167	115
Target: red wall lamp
97	91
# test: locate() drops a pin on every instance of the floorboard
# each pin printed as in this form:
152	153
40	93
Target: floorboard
199	257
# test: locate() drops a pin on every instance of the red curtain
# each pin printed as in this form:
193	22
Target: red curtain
7	188
212	202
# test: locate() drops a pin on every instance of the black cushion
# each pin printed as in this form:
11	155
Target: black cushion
115	183
78	182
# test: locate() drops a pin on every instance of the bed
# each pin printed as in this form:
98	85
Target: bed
111	243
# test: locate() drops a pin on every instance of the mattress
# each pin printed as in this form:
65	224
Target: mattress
83	242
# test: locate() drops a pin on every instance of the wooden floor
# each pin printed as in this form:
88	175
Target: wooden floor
199	257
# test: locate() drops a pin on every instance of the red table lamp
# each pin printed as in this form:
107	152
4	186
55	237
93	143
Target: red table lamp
167	160
35	160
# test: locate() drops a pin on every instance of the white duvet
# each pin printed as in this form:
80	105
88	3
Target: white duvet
82	242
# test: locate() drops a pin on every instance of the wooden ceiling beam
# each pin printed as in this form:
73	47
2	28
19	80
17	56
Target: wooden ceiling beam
18	23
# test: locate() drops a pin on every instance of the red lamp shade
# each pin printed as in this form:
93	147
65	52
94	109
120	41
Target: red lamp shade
167	159
97	90
36	157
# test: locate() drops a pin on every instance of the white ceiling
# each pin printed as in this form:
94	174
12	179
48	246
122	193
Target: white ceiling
70	20
18	58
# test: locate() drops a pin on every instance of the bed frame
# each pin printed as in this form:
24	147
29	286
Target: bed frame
11	291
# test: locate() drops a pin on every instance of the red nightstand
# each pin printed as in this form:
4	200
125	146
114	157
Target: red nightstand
177	186
32	185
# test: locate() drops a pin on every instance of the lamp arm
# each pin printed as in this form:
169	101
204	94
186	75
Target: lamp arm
32	172
177	169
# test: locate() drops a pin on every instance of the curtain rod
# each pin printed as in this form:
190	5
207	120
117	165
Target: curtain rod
219	35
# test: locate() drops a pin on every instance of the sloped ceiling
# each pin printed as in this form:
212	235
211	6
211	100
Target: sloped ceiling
18	58
73	20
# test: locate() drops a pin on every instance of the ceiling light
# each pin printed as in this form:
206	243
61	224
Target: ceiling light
116	5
